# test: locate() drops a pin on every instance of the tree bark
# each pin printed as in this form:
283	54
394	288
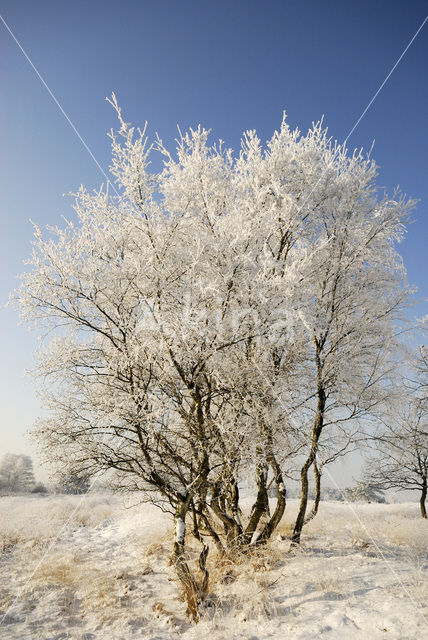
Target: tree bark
232	527
238	529
203	555
274	521
259	507
213	533
423	498
316	432
314	510
192	591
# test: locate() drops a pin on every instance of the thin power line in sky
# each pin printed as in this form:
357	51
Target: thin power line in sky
385	80
357	122
42	80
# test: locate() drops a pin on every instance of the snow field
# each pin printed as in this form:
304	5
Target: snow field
359	574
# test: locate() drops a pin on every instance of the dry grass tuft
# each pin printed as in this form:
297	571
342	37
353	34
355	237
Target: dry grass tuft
241	581
153	549
9	540
418	586
58	570
100	591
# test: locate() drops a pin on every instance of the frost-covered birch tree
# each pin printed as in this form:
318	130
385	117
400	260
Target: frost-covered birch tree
355	291
213	320
336	271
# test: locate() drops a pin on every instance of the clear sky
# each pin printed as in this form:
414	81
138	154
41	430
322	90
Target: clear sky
229	65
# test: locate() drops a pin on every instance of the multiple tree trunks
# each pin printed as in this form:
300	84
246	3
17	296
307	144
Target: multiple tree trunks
226	511
201	307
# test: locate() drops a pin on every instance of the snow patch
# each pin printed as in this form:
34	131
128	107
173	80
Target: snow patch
108	575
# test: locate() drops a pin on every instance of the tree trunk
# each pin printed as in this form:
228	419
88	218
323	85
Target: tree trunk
260	505
213	533
234	505
300	520
192	592
314	510
203	555
232	527
274	521
316	432
423	498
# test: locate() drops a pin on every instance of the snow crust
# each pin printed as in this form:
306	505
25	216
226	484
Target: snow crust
360	573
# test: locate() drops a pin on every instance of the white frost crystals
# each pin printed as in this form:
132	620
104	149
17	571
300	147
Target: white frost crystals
206	314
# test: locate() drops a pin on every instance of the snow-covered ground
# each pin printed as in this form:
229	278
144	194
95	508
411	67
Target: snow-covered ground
95	569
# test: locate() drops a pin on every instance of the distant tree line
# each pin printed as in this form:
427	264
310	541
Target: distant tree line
16	474
17	477
360	492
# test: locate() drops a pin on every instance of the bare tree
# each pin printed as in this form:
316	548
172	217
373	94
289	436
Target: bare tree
401	451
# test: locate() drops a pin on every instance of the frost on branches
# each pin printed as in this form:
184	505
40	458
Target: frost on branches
216	321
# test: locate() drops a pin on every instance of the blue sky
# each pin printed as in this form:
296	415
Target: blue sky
227	65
